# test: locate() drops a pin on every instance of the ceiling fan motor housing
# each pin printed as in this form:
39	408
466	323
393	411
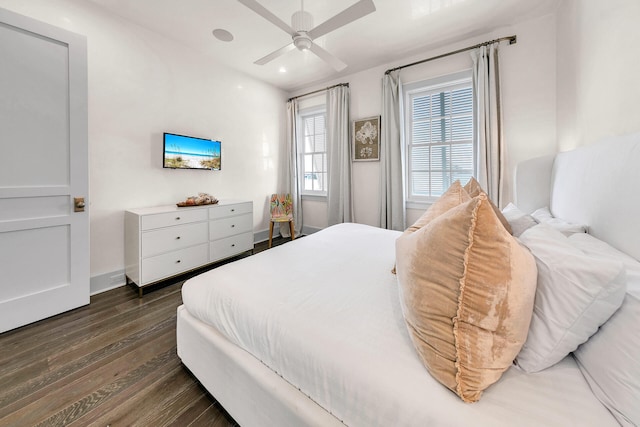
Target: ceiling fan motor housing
301	21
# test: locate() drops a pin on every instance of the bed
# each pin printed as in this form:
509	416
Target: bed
312	332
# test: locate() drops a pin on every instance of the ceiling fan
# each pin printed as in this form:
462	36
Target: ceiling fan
303	33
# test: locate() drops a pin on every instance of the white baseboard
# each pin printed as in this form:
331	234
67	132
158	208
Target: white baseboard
106	282
261	236
310	230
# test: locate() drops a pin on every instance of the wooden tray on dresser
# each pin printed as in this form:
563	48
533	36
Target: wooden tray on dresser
184	204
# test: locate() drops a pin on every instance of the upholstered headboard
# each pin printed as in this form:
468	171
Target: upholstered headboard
596	185
533	183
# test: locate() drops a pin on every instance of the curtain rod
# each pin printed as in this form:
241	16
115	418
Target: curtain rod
512	40
317	91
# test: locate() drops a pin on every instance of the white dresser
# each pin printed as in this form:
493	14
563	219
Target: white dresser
163	241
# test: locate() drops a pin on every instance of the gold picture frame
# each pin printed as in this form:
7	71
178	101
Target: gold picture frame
366	139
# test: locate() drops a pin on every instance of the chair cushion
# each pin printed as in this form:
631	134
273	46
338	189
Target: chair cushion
281	207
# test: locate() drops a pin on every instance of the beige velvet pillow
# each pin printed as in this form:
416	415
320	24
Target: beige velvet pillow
474	189
466	289
455	195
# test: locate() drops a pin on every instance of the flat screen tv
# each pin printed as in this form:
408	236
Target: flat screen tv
187	152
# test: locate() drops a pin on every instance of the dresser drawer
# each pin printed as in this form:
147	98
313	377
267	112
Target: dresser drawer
224	248
169	264
168	239
226	227
223	211
173	218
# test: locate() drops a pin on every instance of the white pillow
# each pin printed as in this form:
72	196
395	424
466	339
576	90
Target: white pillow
576	293
567	228
594	246
610	361
518	220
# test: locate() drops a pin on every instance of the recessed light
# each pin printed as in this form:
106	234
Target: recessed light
282	70
222	35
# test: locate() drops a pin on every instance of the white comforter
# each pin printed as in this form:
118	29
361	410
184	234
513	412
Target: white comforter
323	312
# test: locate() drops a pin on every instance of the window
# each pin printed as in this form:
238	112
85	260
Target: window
313	151
438	135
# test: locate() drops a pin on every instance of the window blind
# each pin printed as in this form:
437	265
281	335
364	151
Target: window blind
439	138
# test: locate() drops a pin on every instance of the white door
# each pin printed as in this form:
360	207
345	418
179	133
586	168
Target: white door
44	244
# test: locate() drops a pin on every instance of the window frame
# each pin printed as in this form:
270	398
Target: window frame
430	86
300	140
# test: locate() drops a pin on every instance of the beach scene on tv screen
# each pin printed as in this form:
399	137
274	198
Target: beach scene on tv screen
183	152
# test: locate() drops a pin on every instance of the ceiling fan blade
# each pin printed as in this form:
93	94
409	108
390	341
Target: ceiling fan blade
350	14
274	55
260	10
328	58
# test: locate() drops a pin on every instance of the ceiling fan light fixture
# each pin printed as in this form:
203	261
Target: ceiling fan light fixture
302	42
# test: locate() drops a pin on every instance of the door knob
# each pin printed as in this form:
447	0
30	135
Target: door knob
78	204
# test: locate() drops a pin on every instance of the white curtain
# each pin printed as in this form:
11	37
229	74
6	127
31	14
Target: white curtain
339	199
289	179
488	121
392	196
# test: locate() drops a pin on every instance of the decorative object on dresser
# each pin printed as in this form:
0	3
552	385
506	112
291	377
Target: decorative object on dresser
199	200
164	241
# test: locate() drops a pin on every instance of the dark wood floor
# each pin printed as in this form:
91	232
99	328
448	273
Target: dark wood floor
111	363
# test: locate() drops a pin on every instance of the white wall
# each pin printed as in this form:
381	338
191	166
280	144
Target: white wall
528	76
140	85
598	70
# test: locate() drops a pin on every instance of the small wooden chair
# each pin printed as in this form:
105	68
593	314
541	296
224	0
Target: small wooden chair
281	210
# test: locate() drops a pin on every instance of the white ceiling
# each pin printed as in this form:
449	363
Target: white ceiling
396	30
